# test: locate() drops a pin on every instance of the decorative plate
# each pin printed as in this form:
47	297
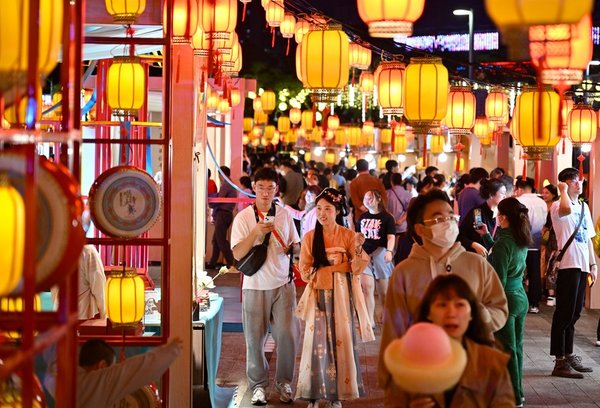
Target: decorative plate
124	202
60	237
145	397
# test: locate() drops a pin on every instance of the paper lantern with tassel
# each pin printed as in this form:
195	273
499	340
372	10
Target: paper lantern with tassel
125	297
366	82
333	122
460	117
295	115
353	133
307	119
389	79
125	11
359	56
126	85
437	143
274	13
582	124
217	18
390	18
268	101
235	96
283	124
12	236
386	136
302	27
496	105
288	26
185	19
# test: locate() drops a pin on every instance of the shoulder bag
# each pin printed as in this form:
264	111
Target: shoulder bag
256	257
554	261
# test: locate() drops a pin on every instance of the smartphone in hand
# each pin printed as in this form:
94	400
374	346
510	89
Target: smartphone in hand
477	220
269	219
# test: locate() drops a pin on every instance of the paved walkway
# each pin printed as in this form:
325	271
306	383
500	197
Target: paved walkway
541	389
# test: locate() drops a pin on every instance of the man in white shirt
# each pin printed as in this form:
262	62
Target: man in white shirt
269	295
538	211
577	265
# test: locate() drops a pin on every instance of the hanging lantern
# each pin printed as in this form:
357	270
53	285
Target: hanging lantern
307	119
257	104
400	143
330	157
228	61
486	141
482	127
323	63
566	106
201	44
583	124
291	136
389	79
212	101
269	132
245	139
12	236
274	13
307	156
288	25
126	85
562	51
460	116
16	305
425	93
386	136
302	27
368	128
390	18
437	143
316	134
223	106
185	20
268	101
340	136
217	18
125	297
537	141
283	124
295	115
366	82
14	39
496	105
125	11
351	161
221	46
260	118
256	132
333	122
354	133
235	96
381	162
358	56
459	164
248	125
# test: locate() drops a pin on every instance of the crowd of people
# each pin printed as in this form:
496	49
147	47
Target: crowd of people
467	253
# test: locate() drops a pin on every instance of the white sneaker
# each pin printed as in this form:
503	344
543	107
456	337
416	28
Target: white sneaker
314	404
285	391
258	396
551	301
534	310
597	343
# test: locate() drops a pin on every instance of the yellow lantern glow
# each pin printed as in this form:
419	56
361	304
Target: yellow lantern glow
288	25
126	85
461	165
400	143
221	46
302	27
218	18
201	44
274	13
12	236
381	162
390	18
437	143
307	119
366	82
460	117
125	11
486	140
340	136
14	39
482	127
125	297
269	132
257	104
291	136
425	93
518	13
389	78
185	20
359	56
354	133
496	105
256	132
295	115
12	305
17	116
235	96
537	141
330	157
316	134
561	51
245	139
228	60
386	136
351	161
368	128
583	124
333	122
323	63
260	118
212	100
565	108
248	125
283	124
223	106
268	101
307	156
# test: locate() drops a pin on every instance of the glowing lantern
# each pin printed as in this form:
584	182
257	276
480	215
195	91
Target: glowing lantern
537	135
359	56
316	134
565	108
288	25
302	27
354	133
283	124
583	124
381	162
245	139
390	18
12	236
16	305
125	11
201	44
307	156
482	127
229	60
223	106
295	115
268	101
218	18
222	46
212	101
508	14
368	128
125	297
260	117
307	119
256	132
323	63
460	117
269	132
496	105
459	164
486	140
257	104
291	136
248	125
330	157
351	161
437	143
400	143
366	82
389	78
386	136
561	51
235	96
340	136
274	13
425	92
126	85
185	20
333	122
14	39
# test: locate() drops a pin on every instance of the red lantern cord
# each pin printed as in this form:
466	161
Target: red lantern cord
524	166
244	12
353	75
425	150
393	124
314	111
287	50
581	158
458	146
273	38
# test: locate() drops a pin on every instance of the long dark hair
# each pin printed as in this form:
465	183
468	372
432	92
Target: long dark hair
335	198
380	206
489	188
518	218
450	285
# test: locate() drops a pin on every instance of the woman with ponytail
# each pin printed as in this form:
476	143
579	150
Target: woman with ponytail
331	261
508	259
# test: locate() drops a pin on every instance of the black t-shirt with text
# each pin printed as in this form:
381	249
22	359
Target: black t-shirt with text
375	228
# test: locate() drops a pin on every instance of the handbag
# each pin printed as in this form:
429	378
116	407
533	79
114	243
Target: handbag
554	261
256	257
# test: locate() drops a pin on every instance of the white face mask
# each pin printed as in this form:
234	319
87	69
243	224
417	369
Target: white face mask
443	234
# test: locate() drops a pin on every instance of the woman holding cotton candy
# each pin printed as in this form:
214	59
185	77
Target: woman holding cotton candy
427	366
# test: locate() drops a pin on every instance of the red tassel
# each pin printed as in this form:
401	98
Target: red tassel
457	167
314	109
273	38
564	142
524	166
581	158
393	124
353	76
425	150
244	12
287	50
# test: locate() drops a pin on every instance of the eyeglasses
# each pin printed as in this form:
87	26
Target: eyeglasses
261	189
437	220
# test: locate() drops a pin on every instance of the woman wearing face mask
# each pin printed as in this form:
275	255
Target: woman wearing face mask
479	225
331	261
432	220
508	259
308	216
379	228
485	382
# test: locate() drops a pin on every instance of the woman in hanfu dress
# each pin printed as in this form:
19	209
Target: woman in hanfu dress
333	307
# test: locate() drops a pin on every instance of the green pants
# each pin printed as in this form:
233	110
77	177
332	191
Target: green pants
511	337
